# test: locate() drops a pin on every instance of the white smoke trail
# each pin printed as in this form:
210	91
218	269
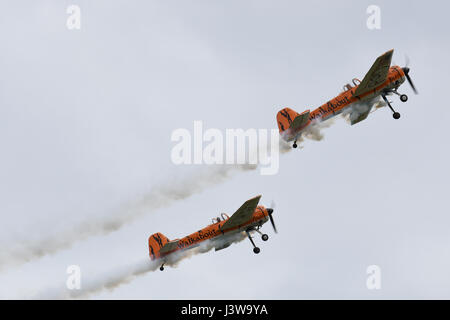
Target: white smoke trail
359	108
284	146
314	131
108	280
162	196
112	280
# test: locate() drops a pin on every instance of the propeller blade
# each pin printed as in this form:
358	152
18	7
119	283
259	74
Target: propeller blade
269	211
406	71
411	84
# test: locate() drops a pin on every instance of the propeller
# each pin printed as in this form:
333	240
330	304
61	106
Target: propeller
406	72
270	211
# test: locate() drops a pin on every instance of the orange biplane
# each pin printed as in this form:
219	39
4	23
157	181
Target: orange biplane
355	101
248	218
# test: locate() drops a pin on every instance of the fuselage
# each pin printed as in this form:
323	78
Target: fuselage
216	230
346	99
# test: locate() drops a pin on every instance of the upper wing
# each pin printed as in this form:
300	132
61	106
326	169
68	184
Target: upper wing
376	75
243	214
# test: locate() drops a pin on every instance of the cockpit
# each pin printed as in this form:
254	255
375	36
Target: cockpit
222	217
348	86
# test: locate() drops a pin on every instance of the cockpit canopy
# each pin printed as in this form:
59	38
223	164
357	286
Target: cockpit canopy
223	217
348	86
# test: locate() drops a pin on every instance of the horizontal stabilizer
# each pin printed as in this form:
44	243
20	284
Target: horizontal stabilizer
300	121
169	246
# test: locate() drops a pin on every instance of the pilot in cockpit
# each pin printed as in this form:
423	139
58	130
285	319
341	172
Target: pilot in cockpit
218	219
348	86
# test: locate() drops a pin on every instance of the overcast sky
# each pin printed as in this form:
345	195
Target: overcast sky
86	118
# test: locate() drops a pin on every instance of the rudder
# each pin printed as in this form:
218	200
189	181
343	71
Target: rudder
285	117
155	243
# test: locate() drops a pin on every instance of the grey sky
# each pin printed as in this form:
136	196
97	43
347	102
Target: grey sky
86	118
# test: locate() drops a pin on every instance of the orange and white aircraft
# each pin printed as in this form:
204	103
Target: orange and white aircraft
248	218
357	101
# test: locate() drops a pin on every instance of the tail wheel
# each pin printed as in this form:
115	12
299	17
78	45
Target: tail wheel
161	268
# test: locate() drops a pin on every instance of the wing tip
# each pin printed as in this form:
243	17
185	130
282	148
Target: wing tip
257	197
389	53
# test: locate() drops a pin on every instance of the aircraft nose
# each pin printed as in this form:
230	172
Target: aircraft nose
269	210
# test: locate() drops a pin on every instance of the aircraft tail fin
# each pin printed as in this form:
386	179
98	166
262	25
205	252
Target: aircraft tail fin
155	243
285	117
290	119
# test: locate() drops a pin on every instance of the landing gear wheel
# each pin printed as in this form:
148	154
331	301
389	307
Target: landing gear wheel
294	145
256	250
161	268
396	115
403	98
265	237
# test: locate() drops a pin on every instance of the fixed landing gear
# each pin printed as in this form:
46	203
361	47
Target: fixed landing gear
264	236
162	267
295	144
403	97
256	250
395	114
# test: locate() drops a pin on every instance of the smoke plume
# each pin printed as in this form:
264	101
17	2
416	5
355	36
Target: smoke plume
161	196
112	280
